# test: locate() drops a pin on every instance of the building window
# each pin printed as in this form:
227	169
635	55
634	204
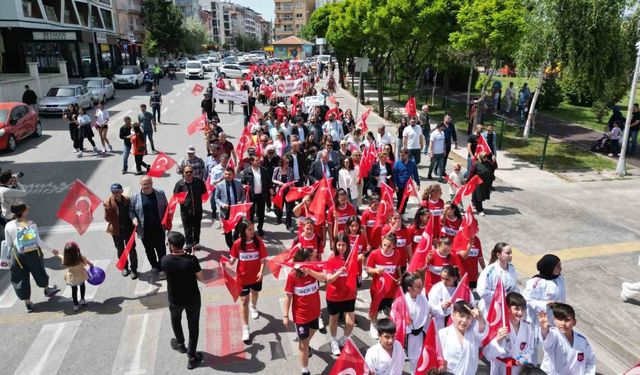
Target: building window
106	17
70	13
31	9
95	18
83	13
52	10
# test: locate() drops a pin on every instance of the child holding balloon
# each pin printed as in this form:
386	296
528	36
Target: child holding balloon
75	275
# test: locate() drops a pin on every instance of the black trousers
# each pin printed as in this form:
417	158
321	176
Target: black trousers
155	247
477	202
191	224
399	194
193	324
121	242
140	163
74	292
258	209
155	111
288	208
230	237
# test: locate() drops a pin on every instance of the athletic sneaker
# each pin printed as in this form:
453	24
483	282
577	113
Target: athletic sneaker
125	272
245	334
95	149
254	312
162	275
335	348
49	291
373	332
134	275
321	326
193	362
83	302
79	154
104	150
110	148
29	307
175	345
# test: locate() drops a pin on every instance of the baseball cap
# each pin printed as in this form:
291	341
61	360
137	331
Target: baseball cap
116	187
191	150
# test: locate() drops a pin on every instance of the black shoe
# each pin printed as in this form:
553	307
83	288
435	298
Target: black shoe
310	352
147	166
124	171
278	220
29	307
134	275
292	229
175	345
48	292
139	173
125	272
193	362
306	373
429	177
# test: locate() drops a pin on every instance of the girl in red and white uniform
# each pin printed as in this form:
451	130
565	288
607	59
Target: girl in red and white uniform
308	238
471	257
340	298
385	259
251	255
368	219
353	230
415	230
451	221
394	226
431	199
301	211
439	258
342	212
302	296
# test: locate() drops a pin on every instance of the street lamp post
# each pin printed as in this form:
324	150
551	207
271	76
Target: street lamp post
621	168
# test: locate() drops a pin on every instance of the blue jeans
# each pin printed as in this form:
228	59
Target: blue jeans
125	156
156	112
437	163
148	133
427	137
633	142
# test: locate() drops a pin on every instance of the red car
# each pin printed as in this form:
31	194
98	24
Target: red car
17	121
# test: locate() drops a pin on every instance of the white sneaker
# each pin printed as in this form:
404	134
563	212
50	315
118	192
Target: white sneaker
320	324
75	150
373	332
245	333
80	154
83	302
253	312
335	348
110	148
625	295
342	341
104	150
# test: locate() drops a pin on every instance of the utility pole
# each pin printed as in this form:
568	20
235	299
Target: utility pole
621	167
93	37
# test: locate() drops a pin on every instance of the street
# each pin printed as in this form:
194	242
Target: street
125	329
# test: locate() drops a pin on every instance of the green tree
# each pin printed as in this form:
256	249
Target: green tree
318	23
246	43
163	23
344	33
194	36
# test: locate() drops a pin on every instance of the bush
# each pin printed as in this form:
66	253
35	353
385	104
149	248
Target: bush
550	93
577	89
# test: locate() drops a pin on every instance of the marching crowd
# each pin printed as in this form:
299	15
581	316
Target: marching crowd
341	190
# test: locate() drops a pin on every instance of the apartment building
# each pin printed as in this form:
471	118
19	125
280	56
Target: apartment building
231	19
291	15
131	30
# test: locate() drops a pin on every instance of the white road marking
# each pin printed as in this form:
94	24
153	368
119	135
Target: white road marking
178	94
48	349
91	289
100	226
165	109
171	101
138	345
8	296
147	284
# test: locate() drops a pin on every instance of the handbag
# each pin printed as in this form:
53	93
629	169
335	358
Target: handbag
5	256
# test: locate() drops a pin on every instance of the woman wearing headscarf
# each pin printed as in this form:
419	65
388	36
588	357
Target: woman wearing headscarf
483	168
545	288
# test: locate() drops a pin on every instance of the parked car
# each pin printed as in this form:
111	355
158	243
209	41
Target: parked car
128	75
233	71
100	89
206	65
58	98
182	62
193	69
17	121
230	60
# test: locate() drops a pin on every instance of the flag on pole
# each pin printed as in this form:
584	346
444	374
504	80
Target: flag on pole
467	189
197	124
410	190
462	291
160	164
277	199
232	284
482	146
400	316
498	314
379	289
350	362
122	261
468	230
236	213
167	219
352	265
78	206
431	356
410	107
197	89
365	116
275	263
419	259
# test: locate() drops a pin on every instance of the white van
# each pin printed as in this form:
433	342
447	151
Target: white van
325	59
193	69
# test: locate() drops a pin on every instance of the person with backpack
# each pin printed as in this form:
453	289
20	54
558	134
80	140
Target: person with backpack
26	246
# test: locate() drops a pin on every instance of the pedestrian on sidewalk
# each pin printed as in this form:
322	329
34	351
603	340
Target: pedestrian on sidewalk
258	181
450	137
147	124
227	193
102	125
437	152
71	115
126	133
147	208
404	122
183	273
191	209
509	97
403	169
75	274
614	139
155	101
30	98
413	140
472	144
120	227
195	162
483	168
139	146
26	247
424	119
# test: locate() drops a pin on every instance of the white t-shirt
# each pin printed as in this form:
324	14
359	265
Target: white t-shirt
257	181
437	142
560	357
413	134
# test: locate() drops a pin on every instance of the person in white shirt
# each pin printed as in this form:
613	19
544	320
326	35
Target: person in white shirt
387	356
509	97
440	295
348	180
457	177
545	288
413	140
334	129
436	152
461	340
102	125
499	267
566	352
515	347
383	137
420	315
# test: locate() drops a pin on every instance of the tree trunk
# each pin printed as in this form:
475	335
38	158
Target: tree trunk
445	83
469	89
479	108
532	107
381	96
341	65
433	89
361	88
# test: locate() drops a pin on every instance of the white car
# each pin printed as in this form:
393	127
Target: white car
100	88
193	69
206	65
128	75
233	71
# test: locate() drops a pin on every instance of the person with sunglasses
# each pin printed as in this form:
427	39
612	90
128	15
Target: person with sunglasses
191	209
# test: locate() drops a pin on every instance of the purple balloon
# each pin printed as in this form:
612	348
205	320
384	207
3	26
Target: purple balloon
96	275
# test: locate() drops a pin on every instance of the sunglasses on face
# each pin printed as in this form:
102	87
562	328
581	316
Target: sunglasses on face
188	172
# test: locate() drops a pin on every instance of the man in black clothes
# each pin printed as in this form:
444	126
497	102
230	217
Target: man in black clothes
191	209
183	272
259	181
30	98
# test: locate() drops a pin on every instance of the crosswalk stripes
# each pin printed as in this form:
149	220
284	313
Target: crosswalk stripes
48	349
138	345
91	289
148	283
7	297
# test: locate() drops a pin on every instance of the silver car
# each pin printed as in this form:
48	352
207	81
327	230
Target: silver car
58	98
101	89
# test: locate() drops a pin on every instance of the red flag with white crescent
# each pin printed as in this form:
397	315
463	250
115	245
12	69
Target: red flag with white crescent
419	259
350	361
450	181
232	284
379	289
385	209
498	315
236	213
321	200
431	356
210	189
352	265
277	199
160	164
275	263
78	206
400	316
197	89
297	193
197	124
365	116
167	219
467	189
462	291
468	230
122	261
410	190
410	107
482	146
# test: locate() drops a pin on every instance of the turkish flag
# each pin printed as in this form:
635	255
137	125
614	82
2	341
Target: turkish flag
277	199
197	124
364	117
122	261
321	200
162	163
255	117
482	146
385	209
419	259
431	356
167	219
294	102
368	159
634	371
78	206
231	164
332	100
410	107
236	213
410	190
275	263
498	314
468	230
462	291
467	189
244	143
197	89
297	193
350	361
379	289
210	189
316	266
232	284
400	316
336	112
450	181
352	265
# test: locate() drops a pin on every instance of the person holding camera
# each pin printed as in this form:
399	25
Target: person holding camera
11	193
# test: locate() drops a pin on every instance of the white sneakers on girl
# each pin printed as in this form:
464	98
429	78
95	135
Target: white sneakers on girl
253	311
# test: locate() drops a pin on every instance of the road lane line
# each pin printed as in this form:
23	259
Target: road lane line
49	349
138	345
165	109
171	101
224	334
91	289
8	297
